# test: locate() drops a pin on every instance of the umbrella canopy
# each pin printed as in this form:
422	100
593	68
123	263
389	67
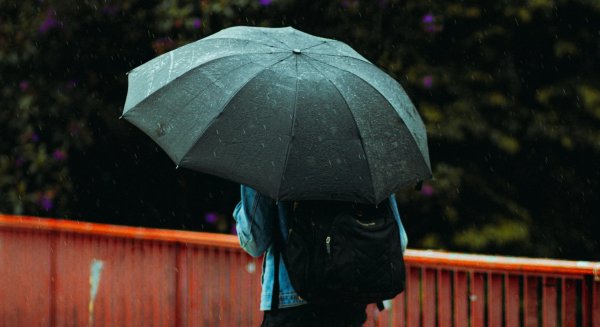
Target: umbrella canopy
295	116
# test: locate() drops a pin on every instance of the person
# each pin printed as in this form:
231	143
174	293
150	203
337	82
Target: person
255	215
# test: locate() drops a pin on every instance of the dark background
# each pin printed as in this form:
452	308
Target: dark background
509	91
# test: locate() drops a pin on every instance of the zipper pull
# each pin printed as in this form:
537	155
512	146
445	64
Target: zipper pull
328	244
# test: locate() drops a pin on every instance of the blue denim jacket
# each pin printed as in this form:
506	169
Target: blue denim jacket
254	224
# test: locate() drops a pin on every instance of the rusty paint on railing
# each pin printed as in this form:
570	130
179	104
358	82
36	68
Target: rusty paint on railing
421	257
514	264
141	233
68	273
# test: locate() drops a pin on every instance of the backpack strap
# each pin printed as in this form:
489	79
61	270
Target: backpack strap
277	241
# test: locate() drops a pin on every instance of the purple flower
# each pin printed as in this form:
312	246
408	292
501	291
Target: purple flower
427	190
427	81
59	155
196	23
19	161
265	2
49	23
429	23
211	217
428	19
46	202
24	85
34	137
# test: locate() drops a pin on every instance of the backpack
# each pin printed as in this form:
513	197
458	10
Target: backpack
341	253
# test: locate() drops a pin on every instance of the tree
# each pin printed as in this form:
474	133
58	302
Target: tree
507	91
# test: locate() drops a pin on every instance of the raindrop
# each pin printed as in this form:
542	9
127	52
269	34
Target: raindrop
262	144
273	163
215	154
217	132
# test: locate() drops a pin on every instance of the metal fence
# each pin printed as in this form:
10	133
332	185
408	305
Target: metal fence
66	273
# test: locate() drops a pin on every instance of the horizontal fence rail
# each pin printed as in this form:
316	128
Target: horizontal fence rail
67	273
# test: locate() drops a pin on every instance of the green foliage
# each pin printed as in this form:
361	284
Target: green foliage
508	91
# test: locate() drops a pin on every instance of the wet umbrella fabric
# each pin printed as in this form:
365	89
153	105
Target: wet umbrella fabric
292	115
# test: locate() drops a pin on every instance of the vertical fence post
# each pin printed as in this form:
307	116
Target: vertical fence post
217	284
444	310
461	299
477	298
596	301
413	296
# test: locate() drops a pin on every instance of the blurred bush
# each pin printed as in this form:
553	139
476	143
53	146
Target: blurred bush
509	92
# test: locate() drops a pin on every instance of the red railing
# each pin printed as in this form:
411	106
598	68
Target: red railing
66	273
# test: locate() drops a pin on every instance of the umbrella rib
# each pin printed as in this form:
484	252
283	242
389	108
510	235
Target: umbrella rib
247	40
229	101
336	55
196	68
374	88
314	46
361	58
196	94
287	151
353	119
274	39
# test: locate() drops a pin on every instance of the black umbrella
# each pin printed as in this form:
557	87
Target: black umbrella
292	115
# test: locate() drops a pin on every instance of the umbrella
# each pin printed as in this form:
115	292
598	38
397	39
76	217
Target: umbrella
295	116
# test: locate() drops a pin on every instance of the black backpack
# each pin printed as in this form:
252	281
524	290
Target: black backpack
341	253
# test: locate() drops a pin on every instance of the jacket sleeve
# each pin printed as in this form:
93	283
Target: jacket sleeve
254	221
396	212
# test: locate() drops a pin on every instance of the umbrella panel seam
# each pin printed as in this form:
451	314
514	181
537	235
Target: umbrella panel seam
384	98
287	153
200	66
177	161
355	124
227	104
247	40
360	57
